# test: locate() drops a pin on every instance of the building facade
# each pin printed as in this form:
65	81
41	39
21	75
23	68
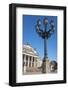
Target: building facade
32	64
31	60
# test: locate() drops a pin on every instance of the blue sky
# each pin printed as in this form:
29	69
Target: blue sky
31	37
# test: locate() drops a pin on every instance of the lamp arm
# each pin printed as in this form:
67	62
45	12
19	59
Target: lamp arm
40	32
49	33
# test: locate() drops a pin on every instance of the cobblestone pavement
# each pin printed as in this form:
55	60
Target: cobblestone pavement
39	72
30	73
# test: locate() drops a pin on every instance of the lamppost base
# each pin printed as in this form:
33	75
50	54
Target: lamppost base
46	65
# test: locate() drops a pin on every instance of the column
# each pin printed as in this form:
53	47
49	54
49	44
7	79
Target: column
25	60
24	63
28	61
34	61
31	60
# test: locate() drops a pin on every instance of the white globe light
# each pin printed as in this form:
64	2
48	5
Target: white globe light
45	21
52	23
37	27
39	22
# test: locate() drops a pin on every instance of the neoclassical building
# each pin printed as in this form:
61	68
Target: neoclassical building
31	60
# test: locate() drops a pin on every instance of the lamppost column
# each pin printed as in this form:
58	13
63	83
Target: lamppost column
44	68
45	49
45	39
45	34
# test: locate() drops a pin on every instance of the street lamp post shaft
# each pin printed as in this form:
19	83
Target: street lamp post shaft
45	48
45	44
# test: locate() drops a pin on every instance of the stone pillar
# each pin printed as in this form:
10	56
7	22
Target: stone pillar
24	68
34	62
28	61
31	60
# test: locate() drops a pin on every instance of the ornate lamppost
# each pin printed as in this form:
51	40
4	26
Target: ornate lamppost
45	35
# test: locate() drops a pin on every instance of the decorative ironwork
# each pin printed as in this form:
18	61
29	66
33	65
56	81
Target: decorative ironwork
44	33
